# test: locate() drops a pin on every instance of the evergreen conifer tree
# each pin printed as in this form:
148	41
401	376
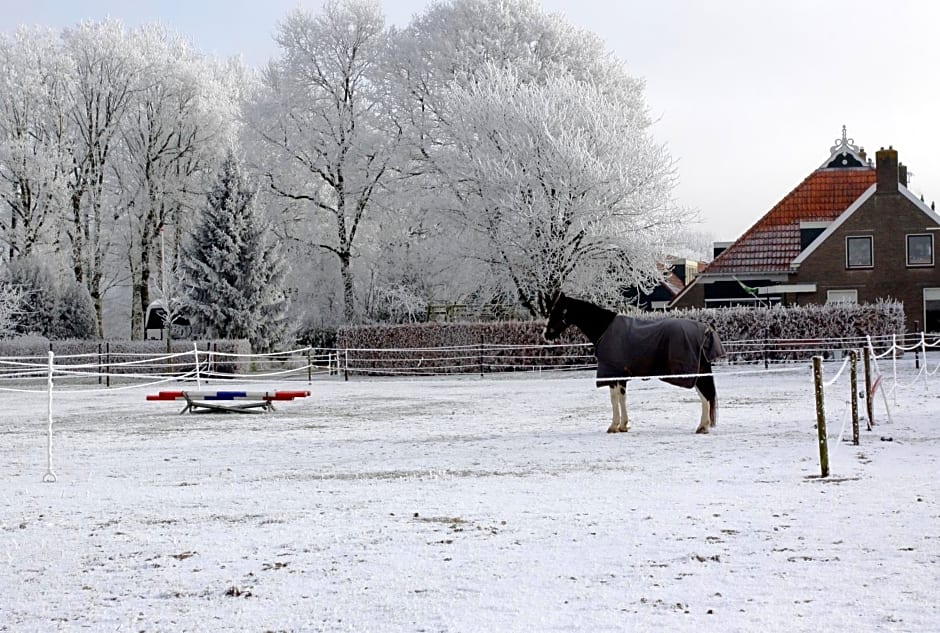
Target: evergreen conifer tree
233	268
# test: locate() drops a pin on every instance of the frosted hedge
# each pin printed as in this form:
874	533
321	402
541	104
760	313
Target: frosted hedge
750	334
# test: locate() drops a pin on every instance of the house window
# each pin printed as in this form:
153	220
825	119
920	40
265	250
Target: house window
858	252
842	296
920	250
931	321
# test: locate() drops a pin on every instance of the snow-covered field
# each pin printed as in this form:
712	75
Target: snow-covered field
471	504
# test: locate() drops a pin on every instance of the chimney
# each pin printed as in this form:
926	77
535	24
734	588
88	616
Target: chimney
886	164
862	154
902	174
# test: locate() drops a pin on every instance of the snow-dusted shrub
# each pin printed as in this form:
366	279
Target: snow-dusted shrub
494	346
49	306
36	314
833	326
10	299
32	347
456	347
75	313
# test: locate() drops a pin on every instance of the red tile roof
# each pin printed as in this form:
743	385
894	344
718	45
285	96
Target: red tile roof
774	241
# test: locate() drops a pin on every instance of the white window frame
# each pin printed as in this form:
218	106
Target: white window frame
907	251
871	251
843	295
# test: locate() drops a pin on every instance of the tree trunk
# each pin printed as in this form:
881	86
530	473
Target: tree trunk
349	294
136	321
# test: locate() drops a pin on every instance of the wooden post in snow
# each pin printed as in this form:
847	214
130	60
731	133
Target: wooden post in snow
869	399
821	416
853	383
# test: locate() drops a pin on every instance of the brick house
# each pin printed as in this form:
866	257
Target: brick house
851	231
679	274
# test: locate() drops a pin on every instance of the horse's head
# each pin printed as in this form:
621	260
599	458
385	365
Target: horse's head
557	318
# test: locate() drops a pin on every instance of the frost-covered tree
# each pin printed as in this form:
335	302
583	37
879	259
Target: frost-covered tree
233	269
50	305
458	47
33	81
105	69
323	121
179	120
563	182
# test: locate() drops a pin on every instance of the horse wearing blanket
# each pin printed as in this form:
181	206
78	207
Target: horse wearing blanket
678	351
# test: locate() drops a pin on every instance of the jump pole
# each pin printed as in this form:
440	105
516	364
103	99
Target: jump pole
821	416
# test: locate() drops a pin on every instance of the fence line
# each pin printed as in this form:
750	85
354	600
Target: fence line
17	373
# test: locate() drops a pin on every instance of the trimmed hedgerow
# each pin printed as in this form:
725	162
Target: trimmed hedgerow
434	348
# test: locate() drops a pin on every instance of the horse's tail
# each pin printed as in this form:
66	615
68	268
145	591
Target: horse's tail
712	346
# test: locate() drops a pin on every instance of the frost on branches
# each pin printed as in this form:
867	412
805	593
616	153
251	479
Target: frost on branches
35	300
322	120
564	183
233	269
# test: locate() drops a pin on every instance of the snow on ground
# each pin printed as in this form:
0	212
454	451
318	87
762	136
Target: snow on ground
471	504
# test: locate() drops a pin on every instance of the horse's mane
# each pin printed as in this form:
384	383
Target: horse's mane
590	318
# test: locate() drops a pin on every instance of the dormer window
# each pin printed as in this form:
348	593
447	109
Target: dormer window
858	252
809	231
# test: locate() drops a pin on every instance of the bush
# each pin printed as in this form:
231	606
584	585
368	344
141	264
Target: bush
508	345
49	306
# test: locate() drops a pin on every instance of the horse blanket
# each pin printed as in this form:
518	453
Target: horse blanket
655	347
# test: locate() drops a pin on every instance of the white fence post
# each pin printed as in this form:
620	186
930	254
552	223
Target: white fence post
923	354
196	357
894	367
49	477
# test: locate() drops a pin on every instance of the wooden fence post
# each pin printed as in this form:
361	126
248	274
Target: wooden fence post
869	401
853	381
821	416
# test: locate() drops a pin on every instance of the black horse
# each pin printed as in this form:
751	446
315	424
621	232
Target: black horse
678	351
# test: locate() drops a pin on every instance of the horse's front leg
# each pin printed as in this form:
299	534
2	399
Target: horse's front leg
618	402
709	397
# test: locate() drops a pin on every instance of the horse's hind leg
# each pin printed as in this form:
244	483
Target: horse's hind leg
705	386
622	399
618	402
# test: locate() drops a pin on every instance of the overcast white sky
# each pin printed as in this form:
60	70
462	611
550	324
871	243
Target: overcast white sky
749	96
